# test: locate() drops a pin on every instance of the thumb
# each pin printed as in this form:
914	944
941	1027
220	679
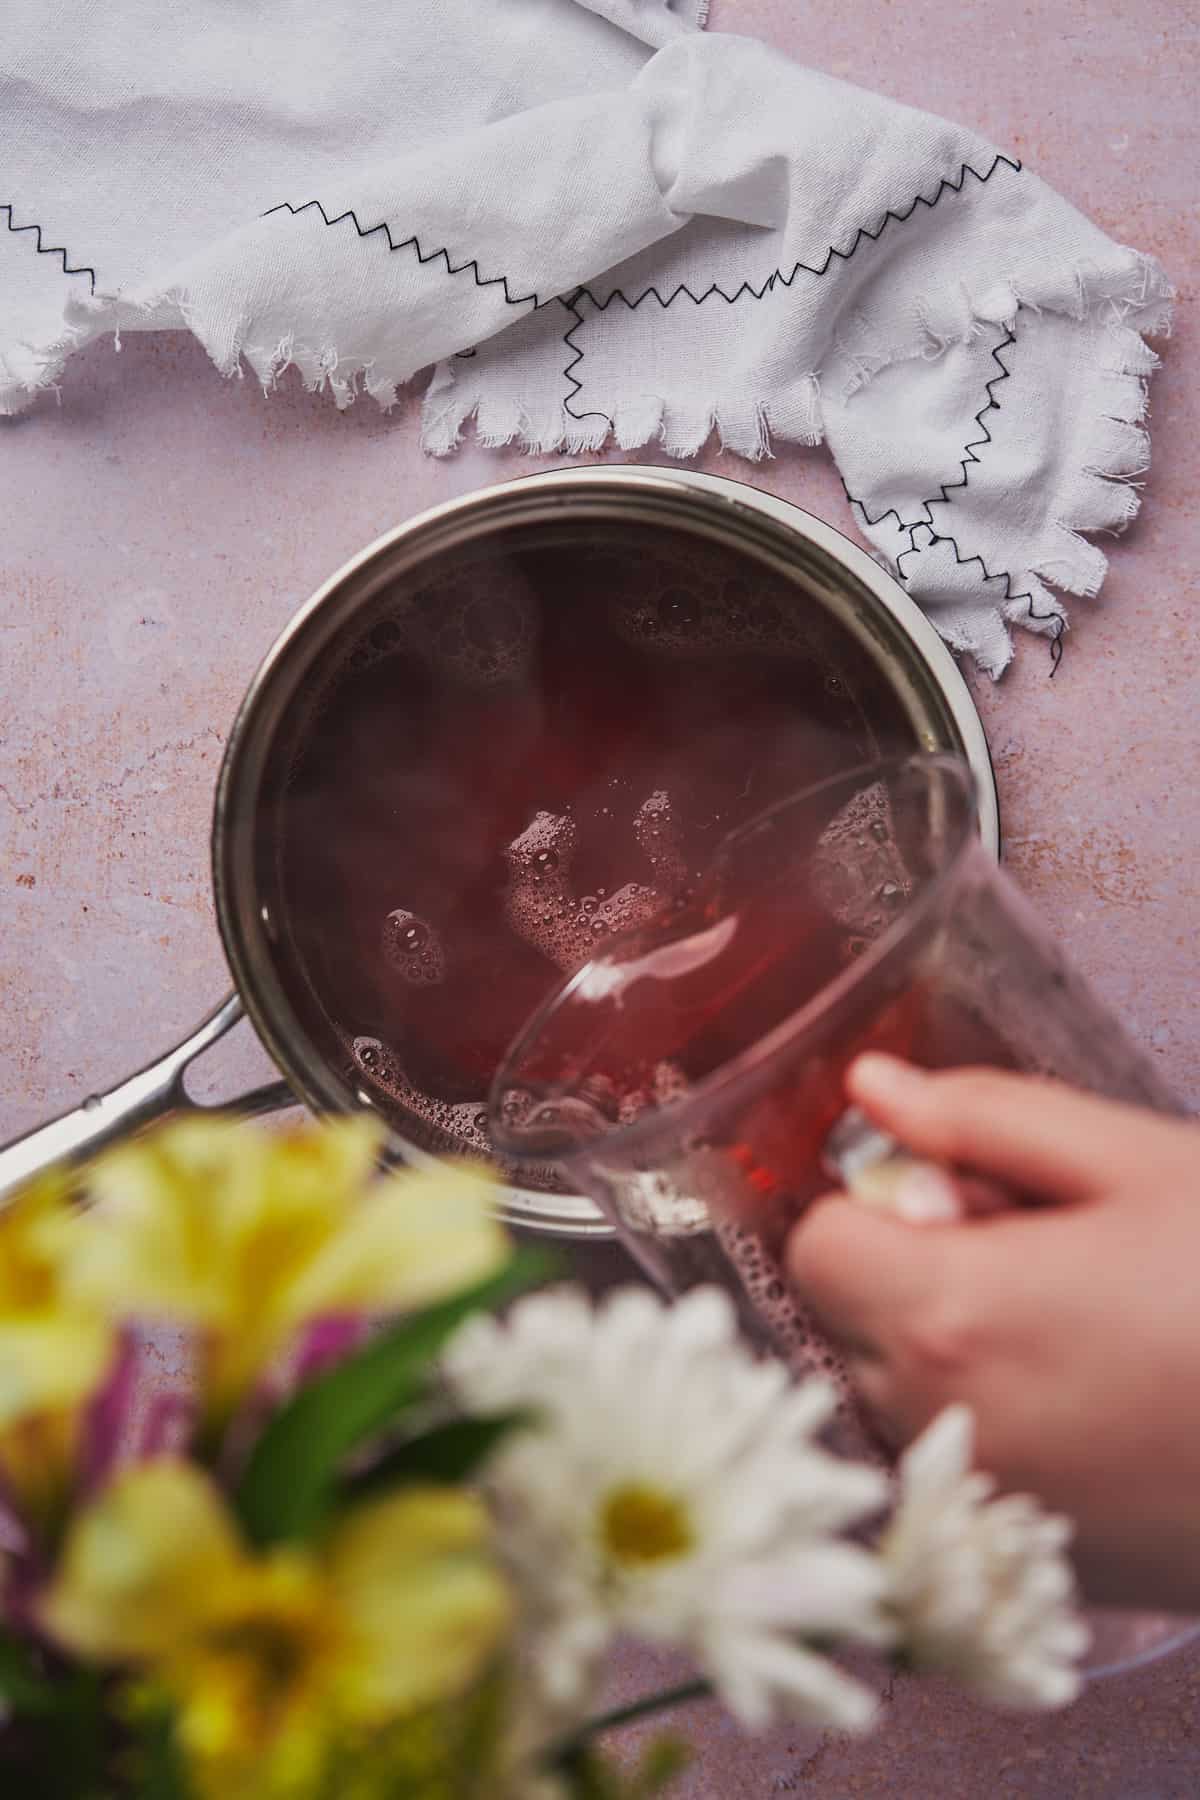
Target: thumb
1031	1133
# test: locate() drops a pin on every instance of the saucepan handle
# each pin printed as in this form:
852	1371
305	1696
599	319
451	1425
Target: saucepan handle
155	1093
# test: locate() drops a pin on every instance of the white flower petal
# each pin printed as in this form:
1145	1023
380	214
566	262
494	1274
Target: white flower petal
819	1591
666	1402
704	1320
980	1586
941	1456
763	1678
812	1403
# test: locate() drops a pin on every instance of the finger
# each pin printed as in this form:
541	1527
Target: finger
1033	1133
864	1273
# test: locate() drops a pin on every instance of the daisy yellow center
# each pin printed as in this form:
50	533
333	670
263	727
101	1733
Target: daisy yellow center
642	1524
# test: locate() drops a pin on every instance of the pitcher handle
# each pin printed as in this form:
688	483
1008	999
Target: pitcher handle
155	1092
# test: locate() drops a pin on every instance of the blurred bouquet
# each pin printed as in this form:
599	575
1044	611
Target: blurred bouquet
359	1536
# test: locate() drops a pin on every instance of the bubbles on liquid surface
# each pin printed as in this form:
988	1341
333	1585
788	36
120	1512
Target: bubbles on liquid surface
685	607
462	1122
678	609
482	626
541	904
545	847
479	626
670	1083
413	949
411	937
658	838
857	870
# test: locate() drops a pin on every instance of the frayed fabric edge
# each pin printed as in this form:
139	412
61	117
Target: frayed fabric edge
27	371
1103	492
1135	296
746	428
1133	300
1100	493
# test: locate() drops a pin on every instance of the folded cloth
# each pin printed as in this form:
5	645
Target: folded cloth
596	223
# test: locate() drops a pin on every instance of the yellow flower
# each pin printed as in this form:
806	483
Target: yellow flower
249	1234
54	1353
280	1664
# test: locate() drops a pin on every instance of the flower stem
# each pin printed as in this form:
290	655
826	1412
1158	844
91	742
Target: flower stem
698	1689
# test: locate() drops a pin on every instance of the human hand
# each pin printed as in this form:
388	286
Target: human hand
1071	1328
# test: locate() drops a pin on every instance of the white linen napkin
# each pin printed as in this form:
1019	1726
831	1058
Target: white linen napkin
596	223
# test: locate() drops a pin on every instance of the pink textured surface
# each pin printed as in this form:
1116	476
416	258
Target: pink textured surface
160	526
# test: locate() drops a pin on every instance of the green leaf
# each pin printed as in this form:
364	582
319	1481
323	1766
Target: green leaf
76	1744
289	1481
446	1453
55	1742
22	1688
162	1775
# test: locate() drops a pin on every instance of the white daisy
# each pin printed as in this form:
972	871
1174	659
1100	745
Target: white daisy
673	1488
981	1587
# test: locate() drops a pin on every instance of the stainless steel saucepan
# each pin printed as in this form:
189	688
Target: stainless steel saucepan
836	582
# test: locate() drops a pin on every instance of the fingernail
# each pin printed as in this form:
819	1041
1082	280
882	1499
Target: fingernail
876	1076
927	1197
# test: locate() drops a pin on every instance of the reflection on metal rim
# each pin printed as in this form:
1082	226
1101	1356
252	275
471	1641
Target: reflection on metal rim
873	608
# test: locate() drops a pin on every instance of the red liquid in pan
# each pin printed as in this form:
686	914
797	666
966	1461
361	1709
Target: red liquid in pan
522	757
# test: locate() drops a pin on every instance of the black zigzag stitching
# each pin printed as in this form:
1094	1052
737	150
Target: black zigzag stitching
572	306
943	497
889	512
49	249
991	404
943	537
776	278
412	242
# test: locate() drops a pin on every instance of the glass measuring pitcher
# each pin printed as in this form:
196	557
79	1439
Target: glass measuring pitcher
690	1077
